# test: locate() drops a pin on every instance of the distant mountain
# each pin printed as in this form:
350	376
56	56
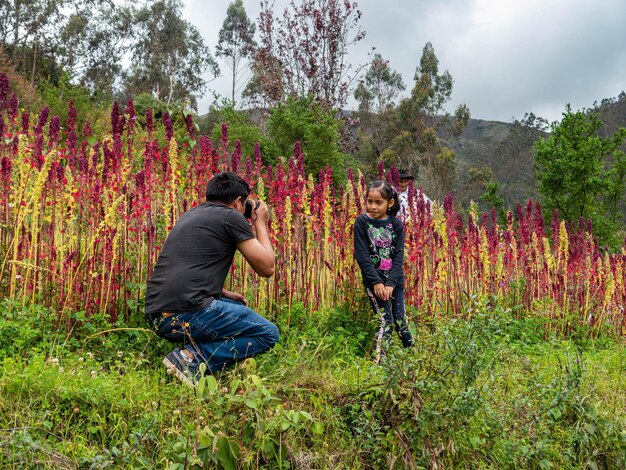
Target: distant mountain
507	148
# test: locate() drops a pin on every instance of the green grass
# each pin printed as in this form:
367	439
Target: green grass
496	392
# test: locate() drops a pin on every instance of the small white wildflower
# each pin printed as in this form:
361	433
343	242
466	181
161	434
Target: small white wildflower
93	373
55	361
176	412
120	353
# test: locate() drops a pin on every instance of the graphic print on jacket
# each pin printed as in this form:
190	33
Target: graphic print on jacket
381	239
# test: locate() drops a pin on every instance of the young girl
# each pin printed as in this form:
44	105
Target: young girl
379	250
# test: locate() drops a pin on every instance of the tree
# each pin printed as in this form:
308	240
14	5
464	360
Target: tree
236	40
49	39
581	174
417	121
432	90
169	57
380	86
376	94
93	41
28	34
303	52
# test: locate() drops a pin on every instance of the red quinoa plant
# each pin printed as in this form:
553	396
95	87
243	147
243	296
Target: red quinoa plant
82	220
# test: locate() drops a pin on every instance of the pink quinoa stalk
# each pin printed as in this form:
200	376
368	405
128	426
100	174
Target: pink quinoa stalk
235	158
381	169
4	90
169	127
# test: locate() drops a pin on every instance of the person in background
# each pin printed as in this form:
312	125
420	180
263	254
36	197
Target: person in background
403	196
186	301
379	251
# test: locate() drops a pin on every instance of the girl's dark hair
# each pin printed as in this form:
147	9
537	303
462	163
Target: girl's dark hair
226	187
387	192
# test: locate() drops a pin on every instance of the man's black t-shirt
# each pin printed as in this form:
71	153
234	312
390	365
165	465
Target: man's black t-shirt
195	259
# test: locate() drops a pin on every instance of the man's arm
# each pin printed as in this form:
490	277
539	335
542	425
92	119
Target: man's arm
259	251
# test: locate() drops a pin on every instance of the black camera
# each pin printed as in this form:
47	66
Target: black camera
251	206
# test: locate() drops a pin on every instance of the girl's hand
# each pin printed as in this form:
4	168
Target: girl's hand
380	291
388	292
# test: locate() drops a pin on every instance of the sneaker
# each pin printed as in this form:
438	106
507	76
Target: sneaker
185	371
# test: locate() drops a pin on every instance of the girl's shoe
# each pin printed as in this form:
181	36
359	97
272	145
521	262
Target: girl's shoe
406	338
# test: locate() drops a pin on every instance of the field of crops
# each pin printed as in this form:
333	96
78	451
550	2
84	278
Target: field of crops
83	214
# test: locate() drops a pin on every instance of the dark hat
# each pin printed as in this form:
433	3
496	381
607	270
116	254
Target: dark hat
403	175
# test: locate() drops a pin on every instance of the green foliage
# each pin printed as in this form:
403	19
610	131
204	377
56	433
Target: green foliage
581	174
494	392
492	197
145	101
432	90
58	95
380	86
317	130
405	136
241	128
376	94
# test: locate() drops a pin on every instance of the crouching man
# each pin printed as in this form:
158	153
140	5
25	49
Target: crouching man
186	302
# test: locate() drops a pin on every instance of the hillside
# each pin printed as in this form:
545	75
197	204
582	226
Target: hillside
506	148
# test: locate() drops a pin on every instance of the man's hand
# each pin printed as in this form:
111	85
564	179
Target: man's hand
234	296
262	214
259	251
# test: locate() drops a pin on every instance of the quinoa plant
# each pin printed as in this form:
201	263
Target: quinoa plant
84	213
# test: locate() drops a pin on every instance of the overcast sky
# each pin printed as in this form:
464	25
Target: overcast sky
507	57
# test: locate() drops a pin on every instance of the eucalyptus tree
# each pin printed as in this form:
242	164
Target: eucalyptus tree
168	56
421	119
236	42
376	94
93	42
28	31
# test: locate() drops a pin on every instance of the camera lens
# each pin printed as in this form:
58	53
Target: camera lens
248	211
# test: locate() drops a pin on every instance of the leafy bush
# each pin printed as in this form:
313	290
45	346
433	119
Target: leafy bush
317	130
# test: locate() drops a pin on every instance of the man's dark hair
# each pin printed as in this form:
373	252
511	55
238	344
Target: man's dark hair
226	187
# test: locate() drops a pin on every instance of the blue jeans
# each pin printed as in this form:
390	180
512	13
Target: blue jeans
221	334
